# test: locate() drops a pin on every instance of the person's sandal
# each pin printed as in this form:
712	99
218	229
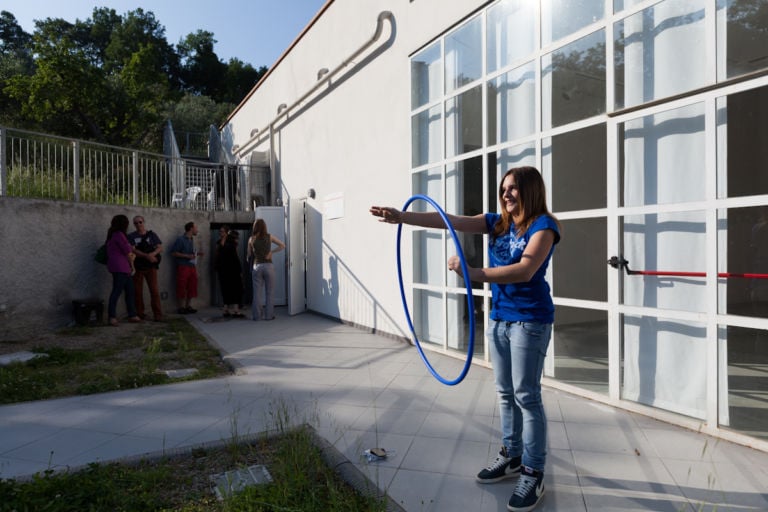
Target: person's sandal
113	322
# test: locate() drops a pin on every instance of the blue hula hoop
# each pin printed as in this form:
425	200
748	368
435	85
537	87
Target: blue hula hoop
470	305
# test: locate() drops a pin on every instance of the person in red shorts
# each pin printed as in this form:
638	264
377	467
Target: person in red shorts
185	255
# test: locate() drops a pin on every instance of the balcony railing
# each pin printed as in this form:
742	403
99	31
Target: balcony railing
35	165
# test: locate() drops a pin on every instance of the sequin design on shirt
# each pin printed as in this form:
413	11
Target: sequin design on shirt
508	249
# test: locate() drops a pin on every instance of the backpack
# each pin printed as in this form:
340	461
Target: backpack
101	254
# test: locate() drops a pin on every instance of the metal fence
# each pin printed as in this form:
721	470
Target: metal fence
35	165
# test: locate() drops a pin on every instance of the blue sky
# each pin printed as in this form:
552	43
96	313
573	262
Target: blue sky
254	31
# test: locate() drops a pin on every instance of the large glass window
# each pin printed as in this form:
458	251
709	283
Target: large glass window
744	381
426	69
463	55
578	266
742	37
573	81
464	192
512	105
560	18
581	347
576	161
668	243
426	127
662	157
511	32
743	249
741	138
464	122
665	364
659	52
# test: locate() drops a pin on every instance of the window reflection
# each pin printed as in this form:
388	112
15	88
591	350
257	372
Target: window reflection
560	18
425	76
573	81
659	52
581	347
742	37
743	249
511	34
463	55
512	105
463	122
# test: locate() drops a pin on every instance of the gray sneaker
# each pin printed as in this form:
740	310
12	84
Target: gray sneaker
500	469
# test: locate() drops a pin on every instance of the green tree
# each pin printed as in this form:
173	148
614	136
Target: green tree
15	59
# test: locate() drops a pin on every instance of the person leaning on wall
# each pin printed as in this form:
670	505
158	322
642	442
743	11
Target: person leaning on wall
263	275
148	249
185	256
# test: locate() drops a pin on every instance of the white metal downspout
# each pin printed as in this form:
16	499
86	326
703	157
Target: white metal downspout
282	112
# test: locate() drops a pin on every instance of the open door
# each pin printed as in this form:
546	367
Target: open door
297	257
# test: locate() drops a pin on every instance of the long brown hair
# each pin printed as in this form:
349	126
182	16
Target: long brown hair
531	200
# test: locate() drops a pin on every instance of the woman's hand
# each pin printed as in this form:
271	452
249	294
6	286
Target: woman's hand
388	214
454	264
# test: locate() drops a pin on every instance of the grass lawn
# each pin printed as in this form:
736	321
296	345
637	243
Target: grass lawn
96	359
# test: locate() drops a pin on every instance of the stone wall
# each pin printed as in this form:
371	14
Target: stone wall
46	258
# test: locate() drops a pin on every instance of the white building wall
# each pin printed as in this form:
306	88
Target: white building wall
351	145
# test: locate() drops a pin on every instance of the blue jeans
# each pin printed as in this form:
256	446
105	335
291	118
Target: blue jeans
263	278
517	354
122	282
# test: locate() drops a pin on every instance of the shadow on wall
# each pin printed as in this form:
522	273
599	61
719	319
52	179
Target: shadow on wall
344	294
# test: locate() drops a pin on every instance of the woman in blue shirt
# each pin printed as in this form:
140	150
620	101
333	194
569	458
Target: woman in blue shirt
521	241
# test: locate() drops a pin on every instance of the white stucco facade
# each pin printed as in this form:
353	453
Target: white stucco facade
645	149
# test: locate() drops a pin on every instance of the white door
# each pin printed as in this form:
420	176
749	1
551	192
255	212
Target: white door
297	257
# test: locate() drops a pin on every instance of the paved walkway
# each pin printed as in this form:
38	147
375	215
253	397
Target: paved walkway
360	391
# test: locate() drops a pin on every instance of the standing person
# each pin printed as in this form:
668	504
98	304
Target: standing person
521	241
230	272
263	275
120	263
148	249
183	251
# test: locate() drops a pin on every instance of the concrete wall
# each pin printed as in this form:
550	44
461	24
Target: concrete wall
46	258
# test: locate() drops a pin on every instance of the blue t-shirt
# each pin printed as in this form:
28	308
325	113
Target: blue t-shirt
184	245
520	302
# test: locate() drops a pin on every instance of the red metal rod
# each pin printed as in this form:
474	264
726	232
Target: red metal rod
725	275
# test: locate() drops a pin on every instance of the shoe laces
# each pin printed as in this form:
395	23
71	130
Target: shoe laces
500	462
525	485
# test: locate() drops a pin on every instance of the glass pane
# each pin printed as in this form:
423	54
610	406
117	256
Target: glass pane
463	55
512	105
425	76
428	183
428	261
660	52
502	161
663	157
574	169
581	348
463	123
458	325
668	243
743	249
573	81
620	5
425	135
464	196
511	32
579	270
665	364
744	359
741	138
742	37
560	18
427	316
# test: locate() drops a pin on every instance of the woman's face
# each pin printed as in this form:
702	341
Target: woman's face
222	232
509	195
